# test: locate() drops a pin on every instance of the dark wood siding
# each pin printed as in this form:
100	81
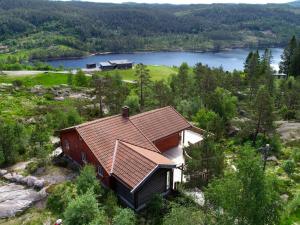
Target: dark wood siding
156	184
76	147
168	142
123	191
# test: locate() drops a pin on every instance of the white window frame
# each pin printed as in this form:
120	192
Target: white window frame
100	171
168	182
83	157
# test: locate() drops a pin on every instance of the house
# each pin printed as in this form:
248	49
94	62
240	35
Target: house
106	66
116	64
121	64
91	65
128	151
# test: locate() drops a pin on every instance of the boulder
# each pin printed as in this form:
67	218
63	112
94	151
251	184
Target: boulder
18	178
30	181
3	172
8	176
15	199
39	184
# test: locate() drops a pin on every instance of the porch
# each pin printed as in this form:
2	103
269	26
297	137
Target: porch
176	154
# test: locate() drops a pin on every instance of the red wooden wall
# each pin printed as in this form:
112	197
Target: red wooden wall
76	146
168	142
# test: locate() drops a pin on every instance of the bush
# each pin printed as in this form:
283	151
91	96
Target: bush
32	167
100	219
81	210
296	154
111	204
60	196
124	217
289	167
87	181
184	215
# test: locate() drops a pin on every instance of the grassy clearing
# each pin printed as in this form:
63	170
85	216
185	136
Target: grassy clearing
156	72
52	79
47	80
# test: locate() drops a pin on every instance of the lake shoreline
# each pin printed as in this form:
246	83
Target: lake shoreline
152	51
228	59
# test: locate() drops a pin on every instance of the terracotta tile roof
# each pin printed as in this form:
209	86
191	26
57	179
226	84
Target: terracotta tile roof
101	135
160	123
124	146
132	164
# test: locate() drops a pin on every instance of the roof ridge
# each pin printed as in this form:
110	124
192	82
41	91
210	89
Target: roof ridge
114	156
95	121
180	115
144	136
126	143
149	112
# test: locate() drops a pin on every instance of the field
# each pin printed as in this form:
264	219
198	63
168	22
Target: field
51	79
156	72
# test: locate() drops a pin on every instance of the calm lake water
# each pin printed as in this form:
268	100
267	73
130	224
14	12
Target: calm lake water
229	60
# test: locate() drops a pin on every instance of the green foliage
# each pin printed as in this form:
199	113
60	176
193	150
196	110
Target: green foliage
54	32
206	161
100	219
80	79
209	121
263	108
292	211
87	181
296	154
124	217
13	141
111	205
63	118
223	103
60	197
156	209
132	101
179	215
82	210
247	196
289	166
143	77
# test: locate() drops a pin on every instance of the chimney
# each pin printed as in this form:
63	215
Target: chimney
125	112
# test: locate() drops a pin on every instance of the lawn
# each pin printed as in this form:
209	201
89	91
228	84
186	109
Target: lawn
156	72
47	80
52	79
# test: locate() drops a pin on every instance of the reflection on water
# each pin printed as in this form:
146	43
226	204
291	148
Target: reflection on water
229	60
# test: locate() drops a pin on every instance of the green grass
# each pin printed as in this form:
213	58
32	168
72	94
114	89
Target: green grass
47	80
156	72
52	79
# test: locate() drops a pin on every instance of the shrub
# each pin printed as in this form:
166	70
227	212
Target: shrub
60	196
289	167
124	217
296	154
82	210
87	181
184	215
111	204
100	219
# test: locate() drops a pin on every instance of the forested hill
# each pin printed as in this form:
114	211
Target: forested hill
75	28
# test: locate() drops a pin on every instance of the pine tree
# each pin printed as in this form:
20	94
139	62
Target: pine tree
286	58
263	112
142	73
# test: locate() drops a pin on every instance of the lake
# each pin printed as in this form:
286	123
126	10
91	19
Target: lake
229	60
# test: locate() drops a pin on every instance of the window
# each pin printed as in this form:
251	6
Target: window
83	157
168	180
67	145
100	171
